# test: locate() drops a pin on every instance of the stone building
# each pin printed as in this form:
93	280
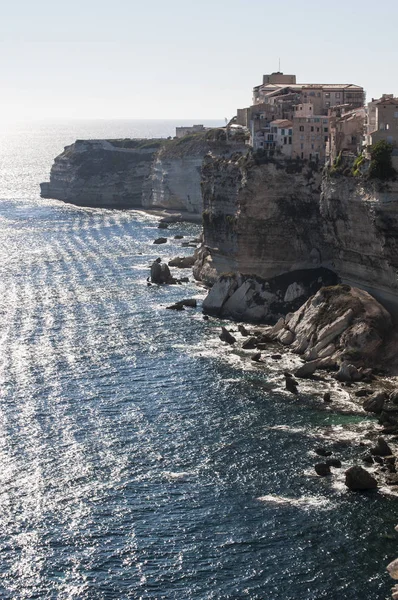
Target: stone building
310	134
183	131
382	120
346	131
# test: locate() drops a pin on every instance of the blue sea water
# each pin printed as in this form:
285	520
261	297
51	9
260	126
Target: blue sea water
138	457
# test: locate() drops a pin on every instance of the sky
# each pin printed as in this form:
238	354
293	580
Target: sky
183	59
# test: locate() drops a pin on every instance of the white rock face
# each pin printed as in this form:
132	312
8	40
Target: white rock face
174	182
336	323
294	291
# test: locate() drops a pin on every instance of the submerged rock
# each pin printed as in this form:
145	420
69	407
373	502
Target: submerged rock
182	262
160	240
357	479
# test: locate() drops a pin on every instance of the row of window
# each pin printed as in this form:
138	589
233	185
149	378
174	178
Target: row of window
325	129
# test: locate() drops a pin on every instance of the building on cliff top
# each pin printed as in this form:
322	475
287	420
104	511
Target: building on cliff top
346	131
281	97
183	131
382	120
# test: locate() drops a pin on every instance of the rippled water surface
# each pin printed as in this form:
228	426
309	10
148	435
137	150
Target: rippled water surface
135	461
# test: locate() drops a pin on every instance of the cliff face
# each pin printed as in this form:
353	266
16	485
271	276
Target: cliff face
259	219
272	218
135	173
99	173
360	231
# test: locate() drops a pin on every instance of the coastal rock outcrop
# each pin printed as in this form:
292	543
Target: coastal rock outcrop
101	173
269	216
250	298
359	479
141	173
339	325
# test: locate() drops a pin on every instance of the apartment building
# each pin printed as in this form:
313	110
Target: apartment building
382	120
310	134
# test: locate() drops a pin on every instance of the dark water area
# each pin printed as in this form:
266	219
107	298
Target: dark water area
138	458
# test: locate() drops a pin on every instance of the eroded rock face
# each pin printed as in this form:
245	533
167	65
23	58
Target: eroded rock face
129	173
272	218
100	173
249	298
339	323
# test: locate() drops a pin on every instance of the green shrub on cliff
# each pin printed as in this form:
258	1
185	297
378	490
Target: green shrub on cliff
381	163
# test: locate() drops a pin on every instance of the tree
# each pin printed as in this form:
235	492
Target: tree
381	163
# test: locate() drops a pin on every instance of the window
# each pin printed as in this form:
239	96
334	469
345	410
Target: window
270	137
337	94
312	146
312	128
290	131
312	94
302	147
283	132
301	127
318	129
290	140
302	155
396	115
325	129
327	95
326	138
387	126
285	140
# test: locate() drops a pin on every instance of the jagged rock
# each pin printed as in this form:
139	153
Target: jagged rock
308	369
333	462
243	331
381	448
189	302
294	291
286	337
205	317
322	469
377	459
357	479
184	262
392	479
250	343
394	397
327	397
291	385
160	273
225	336
375	402
256	357
160	240
178	237
348	373
367	458
219	294
323	452
276	356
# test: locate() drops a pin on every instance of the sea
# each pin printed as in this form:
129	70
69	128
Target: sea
139	457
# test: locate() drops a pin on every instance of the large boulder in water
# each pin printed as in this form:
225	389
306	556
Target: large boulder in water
160	273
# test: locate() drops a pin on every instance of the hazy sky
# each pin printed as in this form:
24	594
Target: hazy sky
183	58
